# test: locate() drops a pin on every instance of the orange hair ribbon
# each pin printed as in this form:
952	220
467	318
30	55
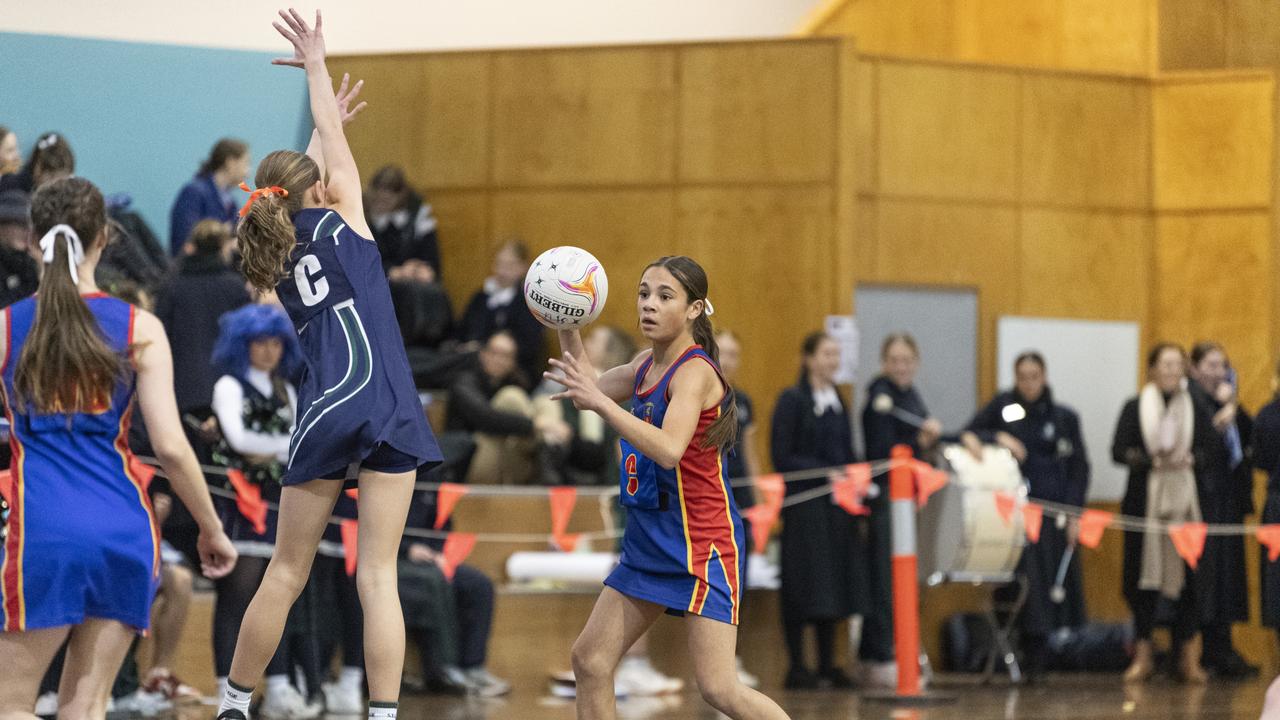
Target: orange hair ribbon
255	194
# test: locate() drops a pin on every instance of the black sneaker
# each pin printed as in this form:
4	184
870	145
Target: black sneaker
231	714
835	679
799	678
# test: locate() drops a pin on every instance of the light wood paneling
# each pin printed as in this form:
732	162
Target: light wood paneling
466	243
763	112
1213	281
867	82
1193	34
625	230
1085	142
1213	142
386	132
584	117
1253	33
947	132
1085	264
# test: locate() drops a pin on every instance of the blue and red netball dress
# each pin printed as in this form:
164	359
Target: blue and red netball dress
82	540
357	403
681	545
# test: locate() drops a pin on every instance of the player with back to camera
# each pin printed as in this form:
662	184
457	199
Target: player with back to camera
81	560
681	546
304	235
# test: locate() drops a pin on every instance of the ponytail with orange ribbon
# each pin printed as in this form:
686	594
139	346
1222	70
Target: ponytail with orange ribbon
255	194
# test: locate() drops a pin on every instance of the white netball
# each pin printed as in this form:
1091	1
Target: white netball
565	288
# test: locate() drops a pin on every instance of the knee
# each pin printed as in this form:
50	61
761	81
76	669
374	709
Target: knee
286	578
719	693
589	664
375	578
178	579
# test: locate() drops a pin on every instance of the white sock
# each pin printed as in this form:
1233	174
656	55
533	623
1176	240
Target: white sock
235	697
351	676
277	684
382	710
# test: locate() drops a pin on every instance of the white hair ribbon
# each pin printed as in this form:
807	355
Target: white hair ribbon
708	310
75	250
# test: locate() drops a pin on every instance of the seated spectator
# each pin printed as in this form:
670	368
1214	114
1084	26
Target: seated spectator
190	304
19	271
10	155
134	253
403	227
490	402
579	447
51	160
450	618
499	305
208	195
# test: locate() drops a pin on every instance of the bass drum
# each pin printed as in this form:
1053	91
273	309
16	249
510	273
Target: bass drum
961	536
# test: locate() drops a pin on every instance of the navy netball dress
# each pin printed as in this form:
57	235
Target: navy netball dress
357	404
82	540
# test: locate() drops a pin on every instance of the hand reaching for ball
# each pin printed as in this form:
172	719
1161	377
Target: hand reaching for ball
579	380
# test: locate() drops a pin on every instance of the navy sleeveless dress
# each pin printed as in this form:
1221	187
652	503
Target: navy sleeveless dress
357	404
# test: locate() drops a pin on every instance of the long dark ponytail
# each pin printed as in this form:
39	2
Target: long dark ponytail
724	431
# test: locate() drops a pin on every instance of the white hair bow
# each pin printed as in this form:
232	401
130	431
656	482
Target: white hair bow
708	310
75	250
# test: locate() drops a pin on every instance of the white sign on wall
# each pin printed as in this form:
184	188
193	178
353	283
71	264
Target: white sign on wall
844	330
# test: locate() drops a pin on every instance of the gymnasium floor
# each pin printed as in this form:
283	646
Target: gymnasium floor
1075	697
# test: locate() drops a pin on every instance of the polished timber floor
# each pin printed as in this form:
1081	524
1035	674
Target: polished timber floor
1069	697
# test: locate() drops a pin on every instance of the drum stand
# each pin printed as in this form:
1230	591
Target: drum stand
1001	629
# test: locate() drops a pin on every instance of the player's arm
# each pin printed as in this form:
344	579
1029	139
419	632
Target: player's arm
615	383
153	362
343	183
691	388
345	97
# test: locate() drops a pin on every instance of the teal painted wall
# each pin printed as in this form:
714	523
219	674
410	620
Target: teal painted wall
142	117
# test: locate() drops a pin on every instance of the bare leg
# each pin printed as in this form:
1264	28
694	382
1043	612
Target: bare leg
304	512
94	656
616	622
1271	705
169	615
712	645
384	504
26	656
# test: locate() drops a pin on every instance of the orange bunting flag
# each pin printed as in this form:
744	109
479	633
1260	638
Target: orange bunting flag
353	493
844	494
762	518
1188	540
860	475
446	498
566	542
1032	518
929	480
249	500
143	472
457	546
1092	523
350	548
1005	504
1269	536
6	485
562	501
772	488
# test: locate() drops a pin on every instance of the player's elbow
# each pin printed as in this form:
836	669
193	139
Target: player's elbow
668	458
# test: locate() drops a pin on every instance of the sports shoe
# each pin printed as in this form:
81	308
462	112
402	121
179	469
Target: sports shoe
163	682
47	704
288	704
343	699
231	714
642	679
146	704
745	677
564	685
480	682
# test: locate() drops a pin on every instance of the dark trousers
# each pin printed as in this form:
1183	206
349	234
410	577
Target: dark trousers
473	596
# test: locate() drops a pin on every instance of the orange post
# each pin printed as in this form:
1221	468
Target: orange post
906	591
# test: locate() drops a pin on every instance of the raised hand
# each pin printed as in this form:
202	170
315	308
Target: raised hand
579	379
346	96
308	43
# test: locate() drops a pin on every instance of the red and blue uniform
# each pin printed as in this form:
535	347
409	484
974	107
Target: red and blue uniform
82	541
681	546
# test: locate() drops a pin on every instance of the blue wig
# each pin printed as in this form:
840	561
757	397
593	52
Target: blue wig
255	322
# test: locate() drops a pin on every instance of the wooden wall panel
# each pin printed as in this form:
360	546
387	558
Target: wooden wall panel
1253	33
1193	34
624	229
466	243
761	112
1213	281
1091	35
1213	142
386	132
947	132
867	81
767	253
584	117
1090	265
1085	142
954	245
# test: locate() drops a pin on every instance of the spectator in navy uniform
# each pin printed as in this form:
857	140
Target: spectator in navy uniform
499	305
19	273
209	195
